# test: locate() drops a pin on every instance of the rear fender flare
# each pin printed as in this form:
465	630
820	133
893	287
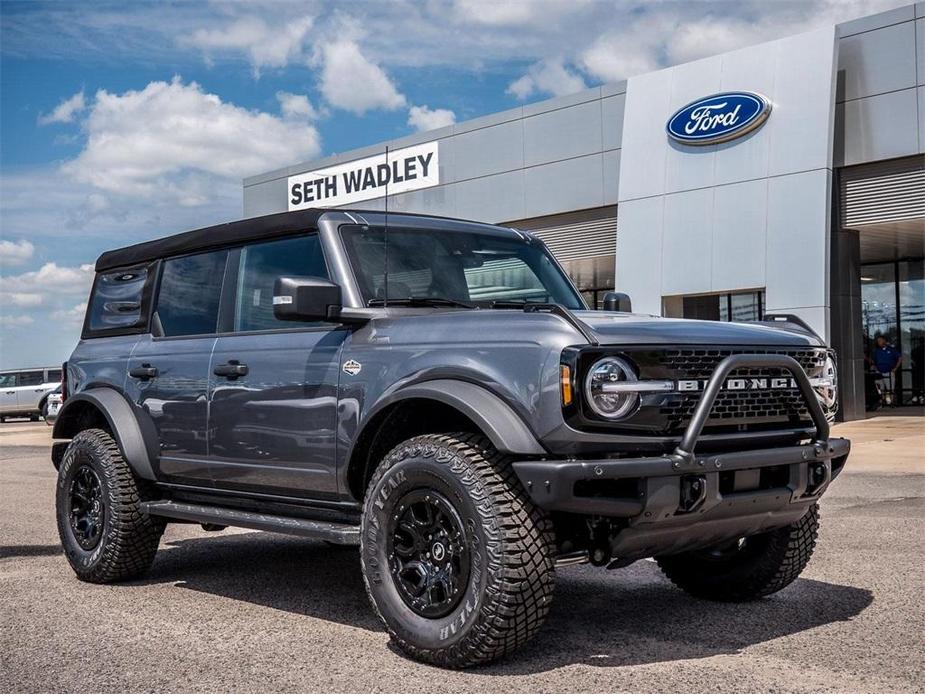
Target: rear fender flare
123	423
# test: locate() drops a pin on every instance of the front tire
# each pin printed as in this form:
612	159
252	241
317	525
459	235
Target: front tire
457	561
105	535
749	569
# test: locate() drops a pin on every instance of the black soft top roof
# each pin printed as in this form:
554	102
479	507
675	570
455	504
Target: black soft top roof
266	227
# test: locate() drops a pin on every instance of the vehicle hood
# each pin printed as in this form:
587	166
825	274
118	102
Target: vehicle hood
632	328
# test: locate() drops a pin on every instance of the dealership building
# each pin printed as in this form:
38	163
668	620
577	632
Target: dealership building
805	194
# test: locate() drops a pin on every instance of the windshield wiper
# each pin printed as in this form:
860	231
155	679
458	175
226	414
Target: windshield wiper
512	303
420	301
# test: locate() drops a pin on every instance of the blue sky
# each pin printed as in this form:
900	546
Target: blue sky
121	122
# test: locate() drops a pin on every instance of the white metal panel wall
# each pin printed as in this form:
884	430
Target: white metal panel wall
691	218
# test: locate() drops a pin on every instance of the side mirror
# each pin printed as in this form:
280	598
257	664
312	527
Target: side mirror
306	299
618	301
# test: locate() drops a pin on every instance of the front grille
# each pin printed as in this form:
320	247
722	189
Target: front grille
742	408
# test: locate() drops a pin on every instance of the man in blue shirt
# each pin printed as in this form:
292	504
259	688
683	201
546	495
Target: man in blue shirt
886	357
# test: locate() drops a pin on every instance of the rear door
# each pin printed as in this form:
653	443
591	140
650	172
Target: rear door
30	390
168	371
8	385
273	401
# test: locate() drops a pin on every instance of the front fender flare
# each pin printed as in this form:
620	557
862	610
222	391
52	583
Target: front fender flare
506	430
123	423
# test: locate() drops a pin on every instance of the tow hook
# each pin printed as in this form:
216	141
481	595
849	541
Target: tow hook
693	492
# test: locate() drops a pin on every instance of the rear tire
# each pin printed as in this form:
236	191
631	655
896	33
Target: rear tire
457	561
105	535
760	565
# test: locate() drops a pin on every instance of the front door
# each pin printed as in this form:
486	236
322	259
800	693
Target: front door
273	400
168	372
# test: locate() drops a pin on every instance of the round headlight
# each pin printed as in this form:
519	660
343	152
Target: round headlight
826	384
609	388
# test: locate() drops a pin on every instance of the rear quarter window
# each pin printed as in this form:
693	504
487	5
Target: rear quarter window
120	301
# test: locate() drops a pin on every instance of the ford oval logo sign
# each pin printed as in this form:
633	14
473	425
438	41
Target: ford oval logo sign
718	118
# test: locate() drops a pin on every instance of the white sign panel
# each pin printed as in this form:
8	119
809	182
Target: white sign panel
411	168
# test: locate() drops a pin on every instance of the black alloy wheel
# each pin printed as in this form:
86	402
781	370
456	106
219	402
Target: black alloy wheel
428	553
87	509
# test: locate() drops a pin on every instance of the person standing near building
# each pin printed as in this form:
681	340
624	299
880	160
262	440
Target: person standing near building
887	359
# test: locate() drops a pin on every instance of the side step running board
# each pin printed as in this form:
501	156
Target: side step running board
337	533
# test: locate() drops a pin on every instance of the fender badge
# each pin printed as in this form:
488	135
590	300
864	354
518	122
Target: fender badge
351	367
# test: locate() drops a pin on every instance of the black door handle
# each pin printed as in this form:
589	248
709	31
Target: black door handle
231	370
145	372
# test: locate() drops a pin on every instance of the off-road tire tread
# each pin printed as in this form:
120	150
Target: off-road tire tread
520	586
786	555
132	536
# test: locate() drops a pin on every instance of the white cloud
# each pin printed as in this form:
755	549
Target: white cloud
21	298
15	252
296	106
75	314
16	321
169	137
424	118
547	77
352	82
66	111
514	13
51	277
265	45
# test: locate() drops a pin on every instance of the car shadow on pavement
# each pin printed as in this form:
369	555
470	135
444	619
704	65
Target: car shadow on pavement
9	551
605	618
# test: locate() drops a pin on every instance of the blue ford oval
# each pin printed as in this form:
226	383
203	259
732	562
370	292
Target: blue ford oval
718	118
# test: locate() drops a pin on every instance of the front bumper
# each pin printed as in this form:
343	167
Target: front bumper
683	500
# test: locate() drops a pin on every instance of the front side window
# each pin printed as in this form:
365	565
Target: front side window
453	265
8	380
31	378
260	266
190	294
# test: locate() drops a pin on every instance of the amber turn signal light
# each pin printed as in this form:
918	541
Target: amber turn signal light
565	384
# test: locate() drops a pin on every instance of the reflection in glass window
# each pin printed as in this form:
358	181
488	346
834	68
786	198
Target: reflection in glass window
738	307
189	296
261	265
117	299
7	380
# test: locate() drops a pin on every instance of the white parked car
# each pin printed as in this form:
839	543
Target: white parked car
52	406
25	393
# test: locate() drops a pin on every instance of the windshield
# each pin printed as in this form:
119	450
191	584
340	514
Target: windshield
458	267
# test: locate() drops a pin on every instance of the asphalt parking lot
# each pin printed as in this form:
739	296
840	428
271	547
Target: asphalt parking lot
247	612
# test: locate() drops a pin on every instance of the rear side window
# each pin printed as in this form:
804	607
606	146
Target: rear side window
8	380
190	293
118	302
54	376
260	266
31	378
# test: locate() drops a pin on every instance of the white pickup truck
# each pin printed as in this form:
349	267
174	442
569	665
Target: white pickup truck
24	393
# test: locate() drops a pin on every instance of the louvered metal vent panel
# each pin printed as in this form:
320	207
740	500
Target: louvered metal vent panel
577	235
890	192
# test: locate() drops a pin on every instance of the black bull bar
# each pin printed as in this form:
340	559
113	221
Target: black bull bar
663	481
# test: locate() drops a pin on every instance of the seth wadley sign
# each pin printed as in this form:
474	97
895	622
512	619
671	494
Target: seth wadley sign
411	168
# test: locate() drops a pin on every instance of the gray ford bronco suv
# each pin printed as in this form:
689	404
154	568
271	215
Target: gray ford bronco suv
436	392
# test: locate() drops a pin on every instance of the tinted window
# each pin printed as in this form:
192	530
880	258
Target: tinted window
261	265
31	378
117	299
54	376
7	380
189	296
459	265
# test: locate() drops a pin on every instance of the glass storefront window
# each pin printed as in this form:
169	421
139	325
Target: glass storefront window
739	307
893	307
